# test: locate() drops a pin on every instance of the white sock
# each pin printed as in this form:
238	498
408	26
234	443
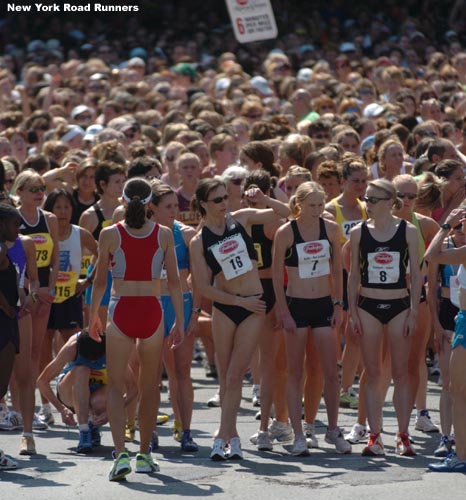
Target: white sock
84	427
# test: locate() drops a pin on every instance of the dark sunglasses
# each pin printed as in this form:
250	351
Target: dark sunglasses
219	199
237	182
410	196
366	92
36	189
373	200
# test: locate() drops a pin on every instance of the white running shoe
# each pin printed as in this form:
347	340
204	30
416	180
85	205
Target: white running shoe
214	401
234	451
264	443
38	424
256	395
218	450
358	434
424	423
6	462
310	433
300	448
280	431
11	422
336	438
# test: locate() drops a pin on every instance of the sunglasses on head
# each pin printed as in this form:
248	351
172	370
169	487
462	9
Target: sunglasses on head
410	196
217	200
237	182
36	189
373	200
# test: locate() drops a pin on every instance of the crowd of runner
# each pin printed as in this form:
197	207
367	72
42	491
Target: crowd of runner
273	218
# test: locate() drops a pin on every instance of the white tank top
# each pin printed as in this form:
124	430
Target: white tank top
70	251
375	170
462	276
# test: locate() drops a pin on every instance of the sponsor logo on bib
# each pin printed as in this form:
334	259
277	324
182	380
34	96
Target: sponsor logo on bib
39	239
383	258
313	248
62	278
228	247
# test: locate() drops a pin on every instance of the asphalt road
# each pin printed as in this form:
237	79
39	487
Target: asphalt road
58	472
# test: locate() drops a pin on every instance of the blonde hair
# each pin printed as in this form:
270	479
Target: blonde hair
26	177
297	171
303	191
383	151
389	189
404	178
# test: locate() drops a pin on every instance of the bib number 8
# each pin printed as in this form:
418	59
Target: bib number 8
383	276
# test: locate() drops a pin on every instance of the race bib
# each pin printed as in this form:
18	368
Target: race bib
98	377
232	256
44	246
346	227
65	287
383	267
85	263
260	261
313	258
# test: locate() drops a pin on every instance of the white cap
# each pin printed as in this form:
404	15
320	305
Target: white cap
373	110
92	131
81	109
305	75
260	84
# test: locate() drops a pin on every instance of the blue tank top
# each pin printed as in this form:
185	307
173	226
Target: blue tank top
82	360
17	255
181	249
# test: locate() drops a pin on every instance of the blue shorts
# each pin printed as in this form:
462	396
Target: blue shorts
459	337
169	311
106	297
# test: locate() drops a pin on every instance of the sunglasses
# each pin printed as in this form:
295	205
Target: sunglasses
373	200
9	181
36	189
410	196
237	182
366	92
219	199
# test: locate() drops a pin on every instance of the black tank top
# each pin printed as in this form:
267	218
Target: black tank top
210	239
9	284
383	264
262	245
39	233
291	257
100	224
81	207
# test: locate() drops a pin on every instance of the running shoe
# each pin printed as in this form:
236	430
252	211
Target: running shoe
374	446
233	451
336	438
177	431
349	399
154	441
444	448
46	415
7	463
95	434
3	411
130	431
162	419
264	443
309	430
256	395
218	450
28	446
214	401
12	421
85	442
278	431
258	415
121	467
300	448
38	424
187	442
404	446
357	434
451	464
211	370
424	423
146	464
435	368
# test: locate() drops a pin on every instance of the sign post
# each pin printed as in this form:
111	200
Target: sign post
252	20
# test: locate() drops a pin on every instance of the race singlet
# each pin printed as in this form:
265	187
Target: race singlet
232	256
346	227
313	258
44	247
65	287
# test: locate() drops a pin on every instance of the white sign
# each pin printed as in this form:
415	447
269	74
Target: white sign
252	20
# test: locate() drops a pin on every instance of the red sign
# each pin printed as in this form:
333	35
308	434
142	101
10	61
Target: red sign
313	248
383	258
229	246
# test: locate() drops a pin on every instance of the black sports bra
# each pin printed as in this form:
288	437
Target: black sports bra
291	257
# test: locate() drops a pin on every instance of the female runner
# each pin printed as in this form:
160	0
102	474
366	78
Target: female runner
309	247
136	249
224	267
381	249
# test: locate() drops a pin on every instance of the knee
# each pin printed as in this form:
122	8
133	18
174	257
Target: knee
234	380
294	374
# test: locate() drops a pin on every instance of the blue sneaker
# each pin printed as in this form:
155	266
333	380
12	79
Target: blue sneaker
85	442
95	434
187	443
451	464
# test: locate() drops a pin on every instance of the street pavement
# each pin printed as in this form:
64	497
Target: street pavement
57	471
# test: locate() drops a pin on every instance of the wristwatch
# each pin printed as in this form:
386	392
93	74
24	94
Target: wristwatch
197	310
446	226
338	303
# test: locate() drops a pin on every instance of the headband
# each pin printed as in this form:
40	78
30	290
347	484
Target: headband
144	201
